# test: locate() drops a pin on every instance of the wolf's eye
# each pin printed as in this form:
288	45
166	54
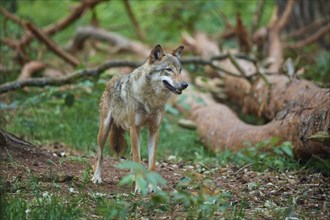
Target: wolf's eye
169	69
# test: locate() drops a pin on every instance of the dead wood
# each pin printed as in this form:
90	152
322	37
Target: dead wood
275	50
296	121
8	139
296	109
61	24
119	42
134	21
67	79
310	39
310	28
242	35
11	16
51	45
30	68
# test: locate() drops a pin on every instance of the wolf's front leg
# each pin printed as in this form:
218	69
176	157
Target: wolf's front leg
135	148
153	133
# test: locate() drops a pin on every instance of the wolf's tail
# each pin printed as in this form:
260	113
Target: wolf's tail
117	140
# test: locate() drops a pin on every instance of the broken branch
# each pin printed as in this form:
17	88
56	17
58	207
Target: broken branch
311	39
42	37
44	81
11	16
136	25
59	25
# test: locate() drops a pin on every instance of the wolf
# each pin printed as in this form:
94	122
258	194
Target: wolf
136	100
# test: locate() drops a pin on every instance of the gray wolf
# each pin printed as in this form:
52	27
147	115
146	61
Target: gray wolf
136	100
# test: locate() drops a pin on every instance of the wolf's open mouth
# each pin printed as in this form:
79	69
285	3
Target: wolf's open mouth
172	88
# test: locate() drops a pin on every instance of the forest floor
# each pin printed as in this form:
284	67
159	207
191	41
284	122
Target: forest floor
262	195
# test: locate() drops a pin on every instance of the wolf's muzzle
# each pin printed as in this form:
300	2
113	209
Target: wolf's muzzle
184	85
175	90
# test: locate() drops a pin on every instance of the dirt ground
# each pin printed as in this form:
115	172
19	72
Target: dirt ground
307	192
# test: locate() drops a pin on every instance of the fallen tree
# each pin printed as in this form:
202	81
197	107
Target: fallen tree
298	115
296	110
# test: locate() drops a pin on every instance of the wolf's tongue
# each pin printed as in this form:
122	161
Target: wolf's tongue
171	88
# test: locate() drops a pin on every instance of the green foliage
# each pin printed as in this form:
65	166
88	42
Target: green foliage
141	176
265	155
53	115
320	71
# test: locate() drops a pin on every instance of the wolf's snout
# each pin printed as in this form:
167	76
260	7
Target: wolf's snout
184	85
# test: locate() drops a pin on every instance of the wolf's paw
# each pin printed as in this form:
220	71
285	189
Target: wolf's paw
137	189
96	179
152	189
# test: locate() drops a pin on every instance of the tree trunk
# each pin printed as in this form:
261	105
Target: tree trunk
298	110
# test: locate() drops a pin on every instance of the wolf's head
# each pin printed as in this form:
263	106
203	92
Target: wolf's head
167	68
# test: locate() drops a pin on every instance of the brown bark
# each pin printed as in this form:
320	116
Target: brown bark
11	16
275	50
242	35
30	68
300	110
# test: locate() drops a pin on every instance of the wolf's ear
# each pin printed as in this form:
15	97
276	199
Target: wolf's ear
177	52
156	54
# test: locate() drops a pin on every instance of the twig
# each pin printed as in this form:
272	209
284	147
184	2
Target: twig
52	45
309	28
133	19
242	168
262	75
200	61
238	67
311	39
11	16
286	15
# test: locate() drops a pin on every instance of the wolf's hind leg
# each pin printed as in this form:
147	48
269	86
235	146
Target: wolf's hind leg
106	121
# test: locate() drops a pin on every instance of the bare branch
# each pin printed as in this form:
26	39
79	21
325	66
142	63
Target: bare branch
52	45
236	64
133	19
59	25
309	28
257	16
40	82
311	39
285	16
11	16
